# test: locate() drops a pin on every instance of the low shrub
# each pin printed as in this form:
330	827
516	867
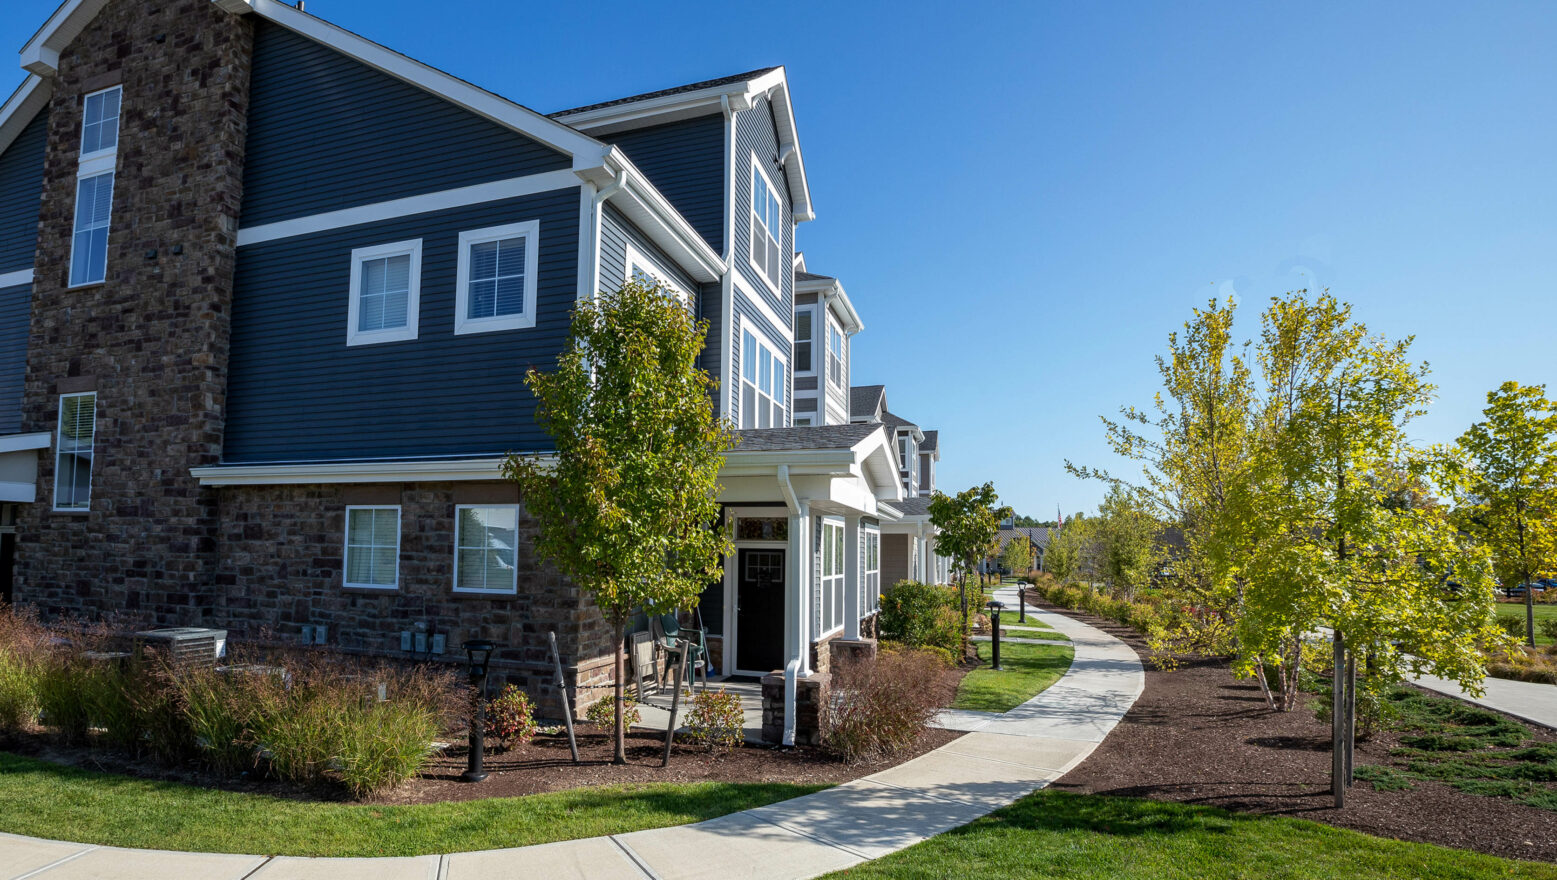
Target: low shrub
511	718
716	720
1514	626
921	616
1548	628
384	745
878	708
601	713
221	709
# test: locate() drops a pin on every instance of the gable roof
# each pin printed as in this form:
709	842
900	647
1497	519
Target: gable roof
931	442
674	90
736	92
865	401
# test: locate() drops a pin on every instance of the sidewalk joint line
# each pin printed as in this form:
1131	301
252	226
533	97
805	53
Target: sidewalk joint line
56	863
256	870
633	857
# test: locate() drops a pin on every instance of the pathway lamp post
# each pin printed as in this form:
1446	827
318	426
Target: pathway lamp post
479	653
994	607
1021	597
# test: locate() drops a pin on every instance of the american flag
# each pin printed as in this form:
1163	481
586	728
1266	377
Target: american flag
1059	518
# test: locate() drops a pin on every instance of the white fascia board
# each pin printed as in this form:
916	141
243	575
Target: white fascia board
656	111
16	279
832	290
23	442
648	208
443	200
585	150
41	54
350	472
30	97
795	165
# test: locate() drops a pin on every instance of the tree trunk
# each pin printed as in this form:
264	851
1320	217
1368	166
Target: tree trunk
618	628
1529	612
1337	720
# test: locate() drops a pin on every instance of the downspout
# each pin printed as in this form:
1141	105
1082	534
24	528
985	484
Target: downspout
792	628
600	199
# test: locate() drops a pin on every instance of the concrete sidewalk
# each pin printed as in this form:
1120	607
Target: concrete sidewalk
1002	758
1527	700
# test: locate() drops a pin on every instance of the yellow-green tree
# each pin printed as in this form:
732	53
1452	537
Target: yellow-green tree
628	504
1018	555
1071	550
968	526
1512	486
1127	541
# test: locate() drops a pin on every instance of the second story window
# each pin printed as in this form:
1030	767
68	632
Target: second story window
834	353
903	451
644	271
762	384
766	233
386	286
496	284
73	451
803	339
95	187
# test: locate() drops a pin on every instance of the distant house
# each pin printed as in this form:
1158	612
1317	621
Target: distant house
908	545
1036	537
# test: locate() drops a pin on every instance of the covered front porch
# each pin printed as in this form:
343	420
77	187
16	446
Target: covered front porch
805	508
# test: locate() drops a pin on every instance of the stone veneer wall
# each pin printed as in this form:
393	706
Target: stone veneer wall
282	554
152	341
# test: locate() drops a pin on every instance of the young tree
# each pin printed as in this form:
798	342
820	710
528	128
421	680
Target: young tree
1127	541
1513	486
969	526
1018	555
1071	550
627	507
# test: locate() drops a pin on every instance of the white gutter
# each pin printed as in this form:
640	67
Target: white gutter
793	635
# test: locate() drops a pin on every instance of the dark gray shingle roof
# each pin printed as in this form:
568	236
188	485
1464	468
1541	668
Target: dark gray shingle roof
811	437
812	276
919	506
864	400
689	87
932	439
896	421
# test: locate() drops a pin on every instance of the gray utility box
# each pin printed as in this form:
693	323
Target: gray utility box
184	645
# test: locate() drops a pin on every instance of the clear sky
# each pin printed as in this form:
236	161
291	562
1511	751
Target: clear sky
1024	199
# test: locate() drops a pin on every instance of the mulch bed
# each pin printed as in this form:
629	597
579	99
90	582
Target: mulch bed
1199	736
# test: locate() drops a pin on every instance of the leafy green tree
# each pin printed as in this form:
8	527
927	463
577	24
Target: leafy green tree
969	529
1018	555
1127	541
1071	551
1513	486
628	505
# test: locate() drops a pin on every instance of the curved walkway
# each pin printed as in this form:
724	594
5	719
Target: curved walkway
1002	758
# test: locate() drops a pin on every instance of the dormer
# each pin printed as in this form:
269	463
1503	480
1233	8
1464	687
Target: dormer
929	456
825	325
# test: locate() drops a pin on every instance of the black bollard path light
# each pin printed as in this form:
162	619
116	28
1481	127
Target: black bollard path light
479	653
994	650
1021	597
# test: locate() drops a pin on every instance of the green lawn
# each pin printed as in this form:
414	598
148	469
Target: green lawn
1026	671
67	803
1052	834
1516	610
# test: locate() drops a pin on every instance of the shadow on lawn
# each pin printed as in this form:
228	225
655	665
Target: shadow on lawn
1113	816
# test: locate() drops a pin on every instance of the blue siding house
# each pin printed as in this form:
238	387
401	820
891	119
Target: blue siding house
265	380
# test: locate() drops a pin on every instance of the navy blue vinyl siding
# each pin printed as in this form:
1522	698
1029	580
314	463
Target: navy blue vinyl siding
297	392
15	322
685	162
756	136
616	231
21	186
713	313
327	132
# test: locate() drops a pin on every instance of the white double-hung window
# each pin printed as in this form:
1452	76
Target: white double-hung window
805	337
497	281
373	547
763	380
834	352
641	269
73	451
386	291
832	576
766	233
486	543
95	187
870	600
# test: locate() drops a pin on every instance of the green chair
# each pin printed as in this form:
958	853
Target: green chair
688	646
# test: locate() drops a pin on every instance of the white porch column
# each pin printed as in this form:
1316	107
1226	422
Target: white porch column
797	605
852	577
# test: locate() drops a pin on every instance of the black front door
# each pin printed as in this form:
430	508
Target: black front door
759	609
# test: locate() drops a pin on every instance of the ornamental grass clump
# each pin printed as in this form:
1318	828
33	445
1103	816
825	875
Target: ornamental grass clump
23	641
878	708
716	720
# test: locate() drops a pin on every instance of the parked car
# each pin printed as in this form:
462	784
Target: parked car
1519	591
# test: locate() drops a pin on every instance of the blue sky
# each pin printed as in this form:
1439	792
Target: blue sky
1024	199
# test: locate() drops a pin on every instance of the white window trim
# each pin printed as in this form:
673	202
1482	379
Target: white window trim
530	231
413	297
783	362
654	268
346	547
100	161
510	591
59	423
751	210
873	602
842	578
75	220
834	326
814	310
